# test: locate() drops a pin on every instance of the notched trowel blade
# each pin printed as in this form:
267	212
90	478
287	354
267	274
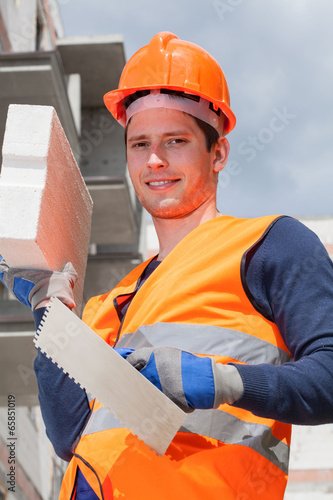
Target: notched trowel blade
102	372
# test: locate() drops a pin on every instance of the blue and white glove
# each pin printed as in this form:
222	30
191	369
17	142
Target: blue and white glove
190	381
32	286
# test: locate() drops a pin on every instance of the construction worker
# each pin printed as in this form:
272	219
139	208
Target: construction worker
232	319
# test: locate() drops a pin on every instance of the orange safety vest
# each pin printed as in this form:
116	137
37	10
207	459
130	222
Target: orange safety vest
194	301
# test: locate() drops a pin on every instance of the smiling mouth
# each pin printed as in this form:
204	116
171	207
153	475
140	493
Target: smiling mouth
160	183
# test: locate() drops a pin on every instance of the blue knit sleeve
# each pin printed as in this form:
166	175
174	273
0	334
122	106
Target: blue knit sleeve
64	405
290	280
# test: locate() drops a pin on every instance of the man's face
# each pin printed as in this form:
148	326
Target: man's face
171	170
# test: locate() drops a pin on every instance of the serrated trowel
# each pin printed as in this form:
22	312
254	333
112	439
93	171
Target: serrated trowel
102	372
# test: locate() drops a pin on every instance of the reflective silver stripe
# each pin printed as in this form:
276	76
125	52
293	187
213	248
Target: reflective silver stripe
206	339
90	397
215	424
101	420
229	429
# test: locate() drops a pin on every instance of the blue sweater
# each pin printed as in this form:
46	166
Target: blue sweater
289	278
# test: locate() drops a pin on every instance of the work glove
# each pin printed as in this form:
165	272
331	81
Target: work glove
32	286
190	381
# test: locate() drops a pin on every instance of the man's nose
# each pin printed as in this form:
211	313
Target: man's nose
156	160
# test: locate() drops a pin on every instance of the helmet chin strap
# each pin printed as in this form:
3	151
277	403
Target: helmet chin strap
200	109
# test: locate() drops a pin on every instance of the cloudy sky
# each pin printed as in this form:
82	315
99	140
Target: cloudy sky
277	56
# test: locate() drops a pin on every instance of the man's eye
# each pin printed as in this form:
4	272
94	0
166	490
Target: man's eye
139	145
177	141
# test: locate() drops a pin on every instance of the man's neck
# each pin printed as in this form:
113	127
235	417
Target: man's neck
171	231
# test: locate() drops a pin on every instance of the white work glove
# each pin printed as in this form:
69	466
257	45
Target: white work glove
33	286
190	381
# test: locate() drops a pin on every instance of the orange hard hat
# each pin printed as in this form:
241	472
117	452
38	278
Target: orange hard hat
174	64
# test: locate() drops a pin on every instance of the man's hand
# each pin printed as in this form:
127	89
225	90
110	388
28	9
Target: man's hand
190	381
33	286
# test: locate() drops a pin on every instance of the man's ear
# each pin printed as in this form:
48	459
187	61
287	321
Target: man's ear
221	150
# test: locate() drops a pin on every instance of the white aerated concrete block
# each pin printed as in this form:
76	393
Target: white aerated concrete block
45	207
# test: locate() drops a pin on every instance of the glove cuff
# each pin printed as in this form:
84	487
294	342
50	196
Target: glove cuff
229	385
58	284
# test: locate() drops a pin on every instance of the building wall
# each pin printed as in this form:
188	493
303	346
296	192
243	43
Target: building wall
27	26
27	462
